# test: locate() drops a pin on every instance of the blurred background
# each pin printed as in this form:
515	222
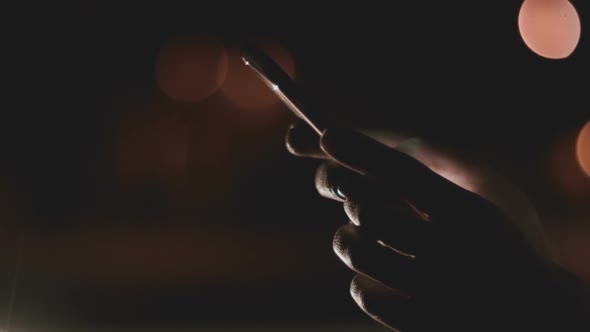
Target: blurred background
145	182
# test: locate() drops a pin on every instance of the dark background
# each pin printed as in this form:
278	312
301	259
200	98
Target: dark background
126	207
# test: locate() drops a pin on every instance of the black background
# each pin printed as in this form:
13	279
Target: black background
457	72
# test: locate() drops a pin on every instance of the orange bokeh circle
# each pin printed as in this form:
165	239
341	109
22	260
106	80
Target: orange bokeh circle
191	69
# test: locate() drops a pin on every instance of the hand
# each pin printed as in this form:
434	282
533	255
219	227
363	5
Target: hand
431	254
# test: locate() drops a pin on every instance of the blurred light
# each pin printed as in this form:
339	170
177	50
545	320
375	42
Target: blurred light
191	69
211	167
244	88
153	146
550	28
583	148
568	176
573	240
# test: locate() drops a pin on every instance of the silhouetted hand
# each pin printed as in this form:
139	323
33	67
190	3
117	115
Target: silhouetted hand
434	255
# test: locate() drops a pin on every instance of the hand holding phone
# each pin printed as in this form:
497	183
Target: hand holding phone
422	247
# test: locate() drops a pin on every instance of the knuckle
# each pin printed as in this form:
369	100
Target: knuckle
356	258
339	243
365	214
356	292
326	181
348	247
352	209
363	299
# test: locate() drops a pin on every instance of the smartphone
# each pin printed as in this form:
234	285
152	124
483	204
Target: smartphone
282	85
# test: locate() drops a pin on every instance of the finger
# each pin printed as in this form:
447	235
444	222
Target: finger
429	191
364	255
393	224
303	141
387	306
338	183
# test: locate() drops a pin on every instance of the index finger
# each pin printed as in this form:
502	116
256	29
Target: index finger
303	141
427	190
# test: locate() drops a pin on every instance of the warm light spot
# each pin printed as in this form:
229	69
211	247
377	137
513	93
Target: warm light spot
583	148
211	168
153	147
550	28
573	238
191	69
244	89
566	168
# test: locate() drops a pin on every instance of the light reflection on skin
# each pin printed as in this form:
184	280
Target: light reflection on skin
475	177
433	159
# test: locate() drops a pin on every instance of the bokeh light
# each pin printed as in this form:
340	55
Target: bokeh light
569	178
244	89
191	69
583	148
550	28
210	162
153	146
572	238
